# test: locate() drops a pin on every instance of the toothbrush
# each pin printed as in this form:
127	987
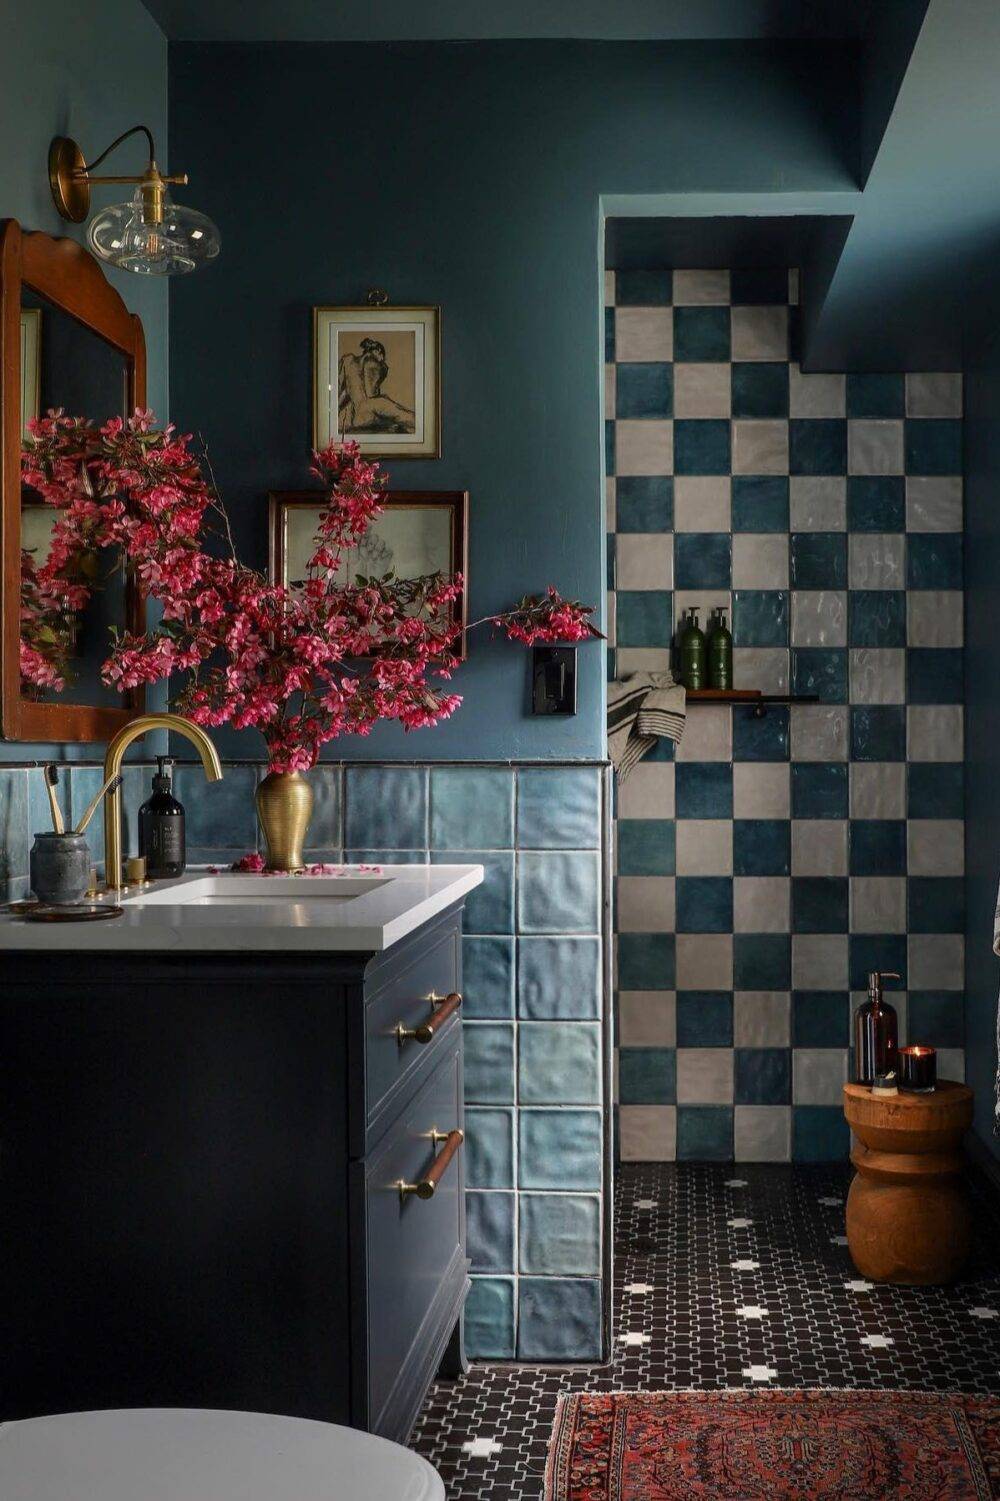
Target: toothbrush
111	785
51	775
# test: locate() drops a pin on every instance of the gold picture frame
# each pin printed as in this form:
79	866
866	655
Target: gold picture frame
377	380
31	365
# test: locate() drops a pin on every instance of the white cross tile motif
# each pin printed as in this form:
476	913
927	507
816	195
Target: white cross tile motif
645	1203
482	1448
739	1223
829	1202
759	1372
877	1341
639	1289
984	1313
634	1339
736	1183
859	1286
752	1311
744	1264
838	1240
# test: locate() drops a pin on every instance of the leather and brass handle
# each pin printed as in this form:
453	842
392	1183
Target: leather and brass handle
427	1185
441	1010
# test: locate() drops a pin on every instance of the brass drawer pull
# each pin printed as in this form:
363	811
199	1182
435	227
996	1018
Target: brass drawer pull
425	1188
442	1009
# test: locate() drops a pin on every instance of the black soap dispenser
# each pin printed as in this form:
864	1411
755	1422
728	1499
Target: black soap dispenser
161	827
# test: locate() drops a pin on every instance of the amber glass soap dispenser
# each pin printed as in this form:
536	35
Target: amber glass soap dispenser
875	1032
161	827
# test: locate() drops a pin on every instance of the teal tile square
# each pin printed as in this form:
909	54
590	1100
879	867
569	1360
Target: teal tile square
934	560
646	961
609	447
876	617
559	1063
703	560
489	1231
876	503
471	808
643	288
762	961
936	1018
646	846
760	389
762	846
760	502
489	1319
644	390
878	733
875	396
819	560
883	951
821	670
701	445
489	1148
821	1018
758	286
819	1134
704	904
218	815
559	808
609	335
935	904
762	1076
487	978
560	1148
559	1319
644	503
489	1063
386	807
936	790
760	617
935	675
559	979
14	827
701	334
560	1234
878	848
326	826
704	789
817	445
933	445
819	789
647	1076
704	1133
704	1018
819	904
558	892
643	617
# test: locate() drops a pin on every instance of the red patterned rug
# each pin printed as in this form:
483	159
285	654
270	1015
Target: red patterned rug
774	1446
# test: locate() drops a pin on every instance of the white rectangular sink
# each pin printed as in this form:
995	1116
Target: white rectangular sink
227	890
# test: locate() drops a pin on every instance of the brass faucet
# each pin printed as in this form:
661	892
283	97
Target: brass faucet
113	765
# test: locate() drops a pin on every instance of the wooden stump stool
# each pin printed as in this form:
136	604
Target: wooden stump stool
907	1216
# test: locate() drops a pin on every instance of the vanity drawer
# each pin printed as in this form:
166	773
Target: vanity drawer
403	1007
414	1267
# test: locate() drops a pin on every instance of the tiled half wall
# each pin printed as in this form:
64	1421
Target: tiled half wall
535	1008
763	871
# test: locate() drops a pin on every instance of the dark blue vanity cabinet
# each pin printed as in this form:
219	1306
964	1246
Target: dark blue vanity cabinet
201	1160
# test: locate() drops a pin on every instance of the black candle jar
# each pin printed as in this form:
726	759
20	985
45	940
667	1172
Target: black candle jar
917	1069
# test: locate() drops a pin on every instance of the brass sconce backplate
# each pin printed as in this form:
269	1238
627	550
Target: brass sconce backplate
68	179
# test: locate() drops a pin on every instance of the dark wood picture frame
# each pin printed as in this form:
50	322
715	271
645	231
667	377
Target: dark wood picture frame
456	501
69	277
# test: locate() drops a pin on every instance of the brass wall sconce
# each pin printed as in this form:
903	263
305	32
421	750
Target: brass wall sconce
150	234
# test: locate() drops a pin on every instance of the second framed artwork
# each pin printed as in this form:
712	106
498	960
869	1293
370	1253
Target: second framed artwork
377	380
418	533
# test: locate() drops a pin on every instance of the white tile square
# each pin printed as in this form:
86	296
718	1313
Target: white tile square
878	789
644	560
644	446
762	1133
645	904
609	289
934	732
647	1018
648	791
934	394
704	961
874	446
700	288
702	390
876	560
647	1133
704	1076
819	847
815	395
611	618
820	732
762	1018
642	659
935	961
818	503
702	501
934	617
761	904
819	961
818	1075
760	444
819	617
708	734
760	560
761	789
935	847
643	334
704	847
760	333
878	904
763	667
934	503
877	675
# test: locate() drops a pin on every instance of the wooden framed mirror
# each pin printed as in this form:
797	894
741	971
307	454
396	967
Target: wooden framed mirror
66	340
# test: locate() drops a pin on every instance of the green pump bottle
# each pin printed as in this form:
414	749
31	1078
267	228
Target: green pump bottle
720	651
691	651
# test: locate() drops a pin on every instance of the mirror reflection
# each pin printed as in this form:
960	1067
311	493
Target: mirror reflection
72	596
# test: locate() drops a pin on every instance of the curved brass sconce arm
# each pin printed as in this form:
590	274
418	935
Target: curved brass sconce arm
70	177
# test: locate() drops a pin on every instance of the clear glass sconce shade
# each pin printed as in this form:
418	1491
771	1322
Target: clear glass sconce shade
181	241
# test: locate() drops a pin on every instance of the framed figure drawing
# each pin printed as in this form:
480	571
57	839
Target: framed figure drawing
377	380
419	532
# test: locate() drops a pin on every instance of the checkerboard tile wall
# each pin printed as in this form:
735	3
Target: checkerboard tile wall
769	865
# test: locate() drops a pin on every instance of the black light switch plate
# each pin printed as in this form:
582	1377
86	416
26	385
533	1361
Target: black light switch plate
553	680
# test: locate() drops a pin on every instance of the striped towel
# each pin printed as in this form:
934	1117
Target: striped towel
642	708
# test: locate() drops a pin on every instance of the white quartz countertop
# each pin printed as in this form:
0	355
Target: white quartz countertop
347	908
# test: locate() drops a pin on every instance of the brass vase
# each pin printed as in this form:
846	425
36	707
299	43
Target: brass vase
284	807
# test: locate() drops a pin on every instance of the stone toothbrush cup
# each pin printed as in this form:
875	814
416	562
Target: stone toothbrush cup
60	868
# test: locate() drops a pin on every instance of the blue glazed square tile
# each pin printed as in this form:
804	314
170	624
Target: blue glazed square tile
220	815
762	846
761	286
934	560
704	1133
762	1076
489	1227
558	892
760	502
762	961
875	395
878	847
819	789
559	979
609	447
935	904
821	1018
489	1319
559	1063
819	904
489	1063
646	847
876	617
14	830
935	1018
819	560
394	857
933	446
704	904
646	961
559	1318
609	335
326	827
759	389
701	334
701	445
876	503
488	977
936	790
472	807
647	1076
489	908
817	445
644	390
878	733
643	288
882	951
760	616
559	808
821	670
704	1018
644	617
386	807
703	560
560	1234
761	739
560	1148
935	675
644	503
489	1148
819	1133
704	789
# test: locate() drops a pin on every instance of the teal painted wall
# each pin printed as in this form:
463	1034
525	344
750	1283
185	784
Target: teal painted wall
469	175
89	71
